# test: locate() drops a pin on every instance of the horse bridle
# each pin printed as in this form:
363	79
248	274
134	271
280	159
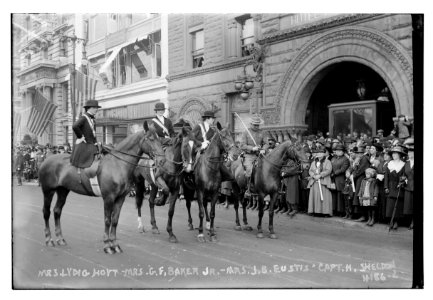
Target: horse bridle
298	162
152	155
218	159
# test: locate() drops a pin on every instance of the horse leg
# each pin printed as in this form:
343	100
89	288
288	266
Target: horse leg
189	195
259	225
139	196
62	193
213	236
108	210
205	202
153	192
274	197
200	236
172	200
46	210
244	214
235	195
114	220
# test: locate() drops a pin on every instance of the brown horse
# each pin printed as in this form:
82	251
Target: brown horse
267	178
114	175
207	177
172	173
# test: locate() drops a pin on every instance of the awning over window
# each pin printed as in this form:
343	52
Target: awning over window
103	71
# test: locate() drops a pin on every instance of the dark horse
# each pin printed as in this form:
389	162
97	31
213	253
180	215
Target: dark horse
239	186
207	177
171	171
114	175
267	178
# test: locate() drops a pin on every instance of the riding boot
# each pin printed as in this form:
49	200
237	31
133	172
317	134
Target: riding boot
256	202
162	198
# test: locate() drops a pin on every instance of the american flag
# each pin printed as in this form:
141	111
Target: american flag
85	89
42	111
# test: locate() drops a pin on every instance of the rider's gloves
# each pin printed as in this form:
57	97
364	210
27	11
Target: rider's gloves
81	140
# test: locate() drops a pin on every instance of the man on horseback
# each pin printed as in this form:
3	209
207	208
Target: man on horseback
200	138
165	131
164	127
252	140
86	146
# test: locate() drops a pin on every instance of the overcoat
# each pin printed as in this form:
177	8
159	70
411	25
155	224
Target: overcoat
359	175
83	154
167	124
291	180
339	166
392	179
408	194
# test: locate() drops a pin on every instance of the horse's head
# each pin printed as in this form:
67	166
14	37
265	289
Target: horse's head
225	140
152	144
297	152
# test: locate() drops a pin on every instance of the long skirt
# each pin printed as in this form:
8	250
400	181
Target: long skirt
338	201
408	203
390	203
315	205
292	189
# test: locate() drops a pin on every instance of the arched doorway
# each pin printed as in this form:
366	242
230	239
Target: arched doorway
372	51
339	84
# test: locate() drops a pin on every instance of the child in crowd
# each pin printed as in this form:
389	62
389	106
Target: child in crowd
348	192
368	194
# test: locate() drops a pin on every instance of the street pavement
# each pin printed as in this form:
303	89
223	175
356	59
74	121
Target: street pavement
310	252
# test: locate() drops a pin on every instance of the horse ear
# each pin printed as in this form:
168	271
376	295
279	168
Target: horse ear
219	126
145	126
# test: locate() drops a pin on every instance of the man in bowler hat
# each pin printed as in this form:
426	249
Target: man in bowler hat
163	126
85	147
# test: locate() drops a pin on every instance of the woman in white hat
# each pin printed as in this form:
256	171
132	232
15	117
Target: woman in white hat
320	199
393	185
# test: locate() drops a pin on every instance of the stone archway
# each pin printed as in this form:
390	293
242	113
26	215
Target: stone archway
356	44
192	109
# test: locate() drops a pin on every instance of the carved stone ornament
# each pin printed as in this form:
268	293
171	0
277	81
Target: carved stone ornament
361	35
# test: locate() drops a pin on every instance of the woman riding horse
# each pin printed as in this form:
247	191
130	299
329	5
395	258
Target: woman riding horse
114	175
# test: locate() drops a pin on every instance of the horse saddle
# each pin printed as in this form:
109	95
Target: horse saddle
90	174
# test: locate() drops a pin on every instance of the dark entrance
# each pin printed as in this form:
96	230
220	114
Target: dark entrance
340	85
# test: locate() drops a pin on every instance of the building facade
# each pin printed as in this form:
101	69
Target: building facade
126	53
41	60
329	72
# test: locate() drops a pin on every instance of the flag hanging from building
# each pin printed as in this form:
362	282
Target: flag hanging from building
41	113
85	89
16	123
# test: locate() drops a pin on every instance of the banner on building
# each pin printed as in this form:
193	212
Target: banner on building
16	124
41	113
85	89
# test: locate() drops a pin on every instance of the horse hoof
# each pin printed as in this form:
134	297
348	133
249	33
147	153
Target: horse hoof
190	227
155	231
208	225
109	250
273	236
50	243
213	238
247	228
259	235
117	249
238	228
141	229
201	239
61	242
172	239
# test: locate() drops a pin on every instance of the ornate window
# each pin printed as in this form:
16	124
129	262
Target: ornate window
197	38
